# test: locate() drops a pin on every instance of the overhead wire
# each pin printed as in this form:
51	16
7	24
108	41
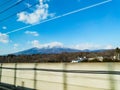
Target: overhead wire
15	4
63	15
2	20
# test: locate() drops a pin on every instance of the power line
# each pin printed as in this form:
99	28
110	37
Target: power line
66	14
15	4
5	2
2	20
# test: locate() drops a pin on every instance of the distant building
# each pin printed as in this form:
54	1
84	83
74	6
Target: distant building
79	59
114	57
75	61
90	59
100	58
117	57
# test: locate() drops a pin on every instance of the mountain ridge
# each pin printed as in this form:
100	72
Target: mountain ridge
53	50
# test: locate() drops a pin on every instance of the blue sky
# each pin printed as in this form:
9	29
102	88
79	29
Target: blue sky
93	28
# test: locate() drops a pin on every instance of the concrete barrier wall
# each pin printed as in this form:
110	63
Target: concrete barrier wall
76	76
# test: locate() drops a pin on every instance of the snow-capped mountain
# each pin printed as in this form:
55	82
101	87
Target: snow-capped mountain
46	50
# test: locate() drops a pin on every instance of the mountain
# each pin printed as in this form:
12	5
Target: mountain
46	50
54	50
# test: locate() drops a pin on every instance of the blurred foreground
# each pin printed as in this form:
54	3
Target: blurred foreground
62	76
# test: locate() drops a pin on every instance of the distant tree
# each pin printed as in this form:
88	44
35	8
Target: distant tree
117	50
11	55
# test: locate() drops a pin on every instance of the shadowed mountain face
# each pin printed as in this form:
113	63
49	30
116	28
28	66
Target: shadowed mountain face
54	50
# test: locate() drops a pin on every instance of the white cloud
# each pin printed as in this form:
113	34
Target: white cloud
15	46
54	44
36	43
108	47
91	46
4	38
4	27
39	14
34	33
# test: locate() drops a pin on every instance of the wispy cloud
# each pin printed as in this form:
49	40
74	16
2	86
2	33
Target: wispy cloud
36	43
39	14
91	46
15	46
4	38
4	27
33	33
